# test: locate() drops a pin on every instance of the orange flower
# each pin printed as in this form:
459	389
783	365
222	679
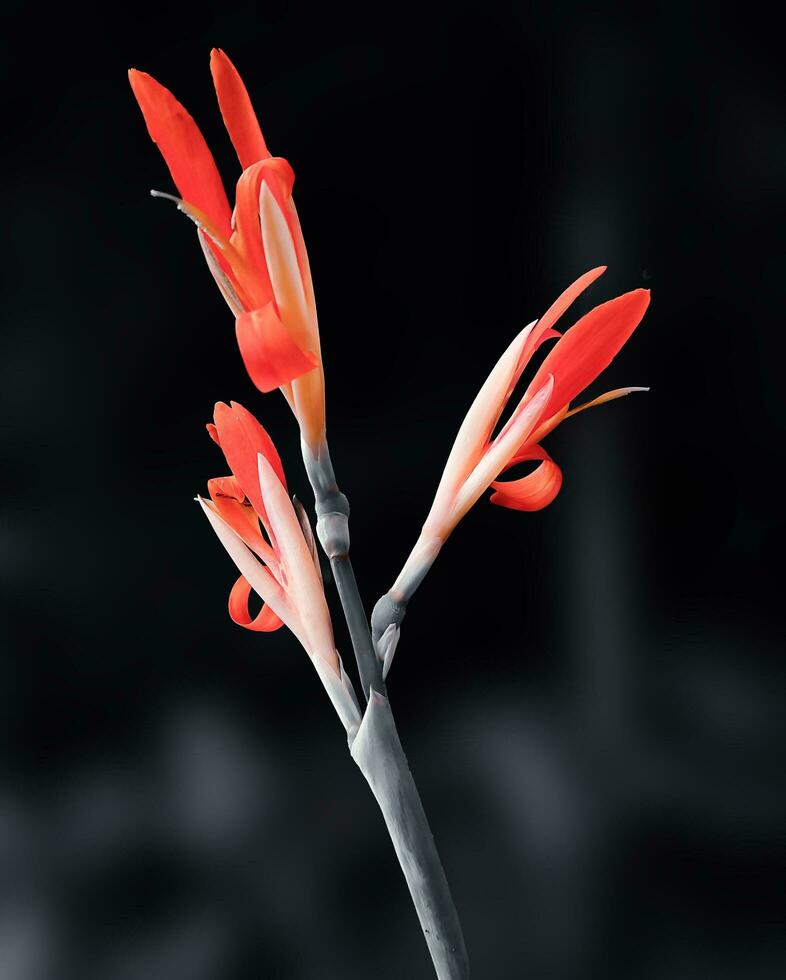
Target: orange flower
256	253
477	460
282	565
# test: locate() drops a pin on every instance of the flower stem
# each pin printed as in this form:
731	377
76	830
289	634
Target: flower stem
332	509
376	747
369	667
378	753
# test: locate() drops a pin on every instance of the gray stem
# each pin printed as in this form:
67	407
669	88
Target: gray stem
369	667
379	755
332	509
376	747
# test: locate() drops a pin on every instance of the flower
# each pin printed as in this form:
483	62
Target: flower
256	252
477	459
282	565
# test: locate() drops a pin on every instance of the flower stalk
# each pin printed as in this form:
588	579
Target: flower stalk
378	753
376	748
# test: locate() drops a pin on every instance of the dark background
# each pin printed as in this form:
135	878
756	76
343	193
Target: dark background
590	697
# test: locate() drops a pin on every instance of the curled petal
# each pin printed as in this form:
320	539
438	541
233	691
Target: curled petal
534	491
262	581
504	448
590	346
183	147
236	109
247	240
272	358
265	621
280	178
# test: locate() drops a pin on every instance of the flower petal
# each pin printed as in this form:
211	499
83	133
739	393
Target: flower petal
265	621
236	109
231	503
557	308
183	147
263	582
284	270
308	534
497	457
271	356
484	412
534	491
303	583
589	347
242	438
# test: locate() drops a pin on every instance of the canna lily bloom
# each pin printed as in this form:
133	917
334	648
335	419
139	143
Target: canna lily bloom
281	565
477	459
255	252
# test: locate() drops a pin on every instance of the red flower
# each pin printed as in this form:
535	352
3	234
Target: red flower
256	252
477	460
281	565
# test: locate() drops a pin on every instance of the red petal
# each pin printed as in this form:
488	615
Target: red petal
534	491
225	486
238	113
265	622
233	507
247	236
212	431
542	330
590	346
184	149
271	356
242	439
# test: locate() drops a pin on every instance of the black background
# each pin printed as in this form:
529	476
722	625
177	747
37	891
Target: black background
591	696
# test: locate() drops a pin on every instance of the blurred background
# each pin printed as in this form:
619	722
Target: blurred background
591	697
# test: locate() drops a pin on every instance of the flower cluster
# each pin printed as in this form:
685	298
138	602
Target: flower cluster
258	258
478	457
256	251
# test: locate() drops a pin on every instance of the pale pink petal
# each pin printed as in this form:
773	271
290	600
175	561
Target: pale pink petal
522	423
303	582
259	577
559	306
420	560
284	271
478	424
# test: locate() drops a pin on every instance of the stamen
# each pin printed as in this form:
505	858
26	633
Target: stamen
194	214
